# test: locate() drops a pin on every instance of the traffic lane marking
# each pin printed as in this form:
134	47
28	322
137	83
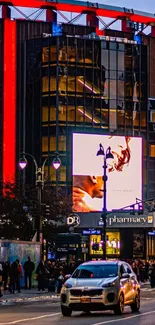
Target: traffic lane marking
124	318
29	319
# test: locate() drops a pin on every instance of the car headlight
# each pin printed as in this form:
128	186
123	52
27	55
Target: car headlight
109	285
67	285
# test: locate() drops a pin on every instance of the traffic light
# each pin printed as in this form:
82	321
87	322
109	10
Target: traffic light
140	209
132	211
45	210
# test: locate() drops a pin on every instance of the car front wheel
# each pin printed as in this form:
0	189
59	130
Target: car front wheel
136	305
119	309
66	311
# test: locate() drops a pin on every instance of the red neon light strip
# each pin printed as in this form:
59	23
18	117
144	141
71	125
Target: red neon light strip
79	6
9	102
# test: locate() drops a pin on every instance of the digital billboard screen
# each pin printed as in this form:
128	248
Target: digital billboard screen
124	172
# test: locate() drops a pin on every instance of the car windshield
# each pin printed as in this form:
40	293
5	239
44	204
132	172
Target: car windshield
96	271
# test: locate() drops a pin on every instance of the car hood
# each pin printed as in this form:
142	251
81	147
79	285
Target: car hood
75	282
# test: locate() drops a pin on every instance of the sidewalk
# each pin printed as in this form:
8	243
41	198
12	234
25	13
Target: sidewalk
32	295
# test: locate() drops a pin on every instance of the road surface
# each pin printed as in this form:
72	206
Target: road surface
45	313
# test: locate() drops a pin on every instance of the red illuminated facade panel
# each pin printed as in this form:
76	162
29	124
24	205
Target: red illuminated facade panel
9	101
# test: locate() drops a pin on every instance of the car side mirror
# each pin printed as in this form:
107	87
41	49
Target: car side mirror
125	276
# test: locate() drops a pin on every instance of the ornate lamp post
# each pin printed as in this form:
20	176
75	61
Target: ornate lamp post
106	155
39	182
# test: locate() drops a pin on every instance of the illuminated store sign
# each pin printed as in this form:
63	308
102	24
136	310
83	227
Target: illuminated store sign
127	220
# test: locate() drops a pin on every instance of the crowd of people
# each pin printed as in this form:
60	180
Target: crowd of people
51	274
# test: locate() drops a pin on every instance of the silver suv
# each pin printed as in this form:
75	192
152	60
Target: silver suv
101	285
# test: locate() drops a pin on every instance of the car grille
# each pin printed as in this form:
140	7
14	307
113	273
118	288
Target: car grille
90	293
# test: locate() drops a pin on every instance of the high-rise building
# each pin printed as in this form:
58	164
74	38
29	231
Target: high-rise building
57	80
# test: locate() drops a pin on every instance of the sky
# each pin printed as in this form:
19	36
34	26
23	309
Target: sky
142	5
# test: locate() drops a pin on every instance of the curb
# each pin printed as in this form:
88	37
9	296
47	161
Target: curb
30	299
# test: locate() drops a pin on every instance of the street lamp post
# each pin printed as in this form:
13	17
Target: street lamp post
106	155
39	182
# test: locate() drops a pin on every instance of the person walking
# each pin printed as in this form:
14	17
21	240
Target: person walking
19	275
6	271
28	269
15	275
40	271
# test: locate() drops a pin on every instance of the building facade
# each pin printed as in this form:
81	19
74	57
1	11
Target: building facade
95	85
56	80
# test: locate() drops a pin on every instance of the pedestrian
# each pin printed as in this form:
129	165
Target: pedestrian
28	269
60	280
1	279
15	274
40	271
152	276
6	272
19	275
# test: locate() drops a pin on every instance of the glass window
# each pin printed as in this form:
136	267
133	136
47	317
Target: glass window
128	117
62	54
122	269
113	60
62	113
113	92
121	47
45	54
79	114
52	143
104	44
62	143
44	144
44	114
152	117
62	85
121	61
143	119
127	268
105	59
71	113
145	147
113	243
52	113
113	46
113	119
96	271
45	84
120	117
80	51
88	52
136	116
53	53
113	74
50	173
152	150
71	53
62	174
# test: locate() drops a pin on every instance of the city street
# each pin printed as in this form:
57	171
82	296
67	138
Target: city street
45	313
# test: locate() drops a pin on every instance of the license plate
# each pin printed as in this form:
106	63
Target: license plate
85	300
